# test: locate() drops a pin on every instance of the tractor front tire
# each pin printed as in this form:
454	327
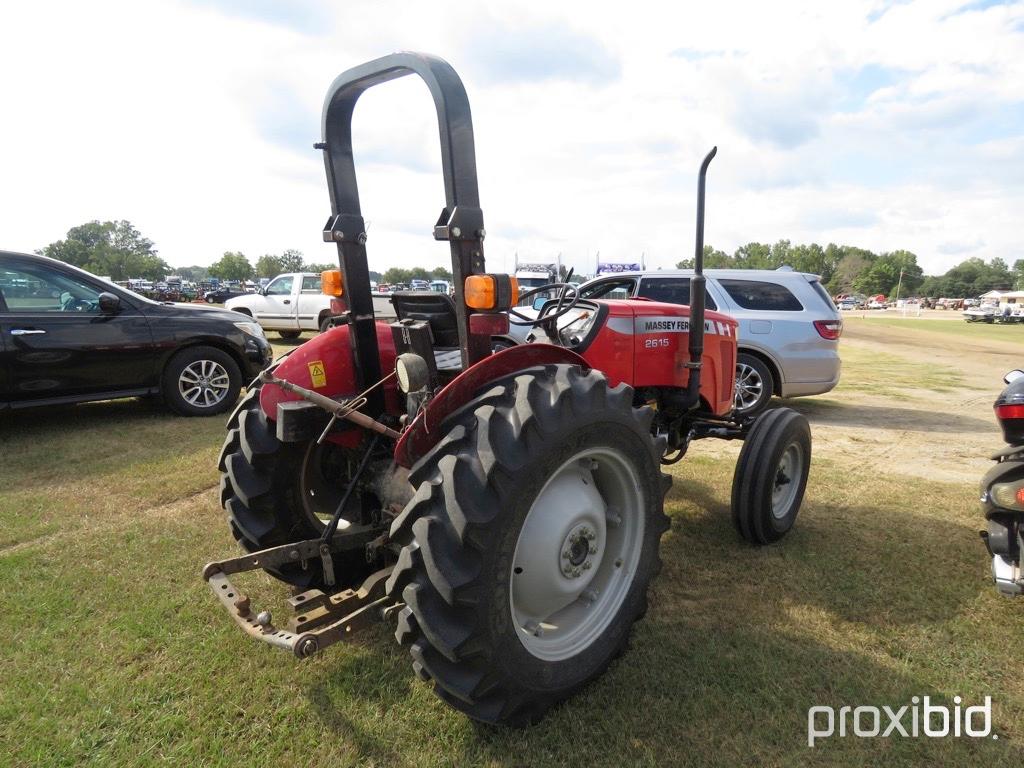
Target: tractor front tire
530	542
771	476
261	491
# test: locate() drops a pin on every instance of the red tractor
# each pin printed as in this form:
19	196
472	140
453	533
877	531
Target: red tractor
503	507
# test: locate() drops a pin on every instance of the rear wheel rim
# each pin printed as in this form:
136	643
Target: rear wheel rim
749	386
577	554
787	480
203	383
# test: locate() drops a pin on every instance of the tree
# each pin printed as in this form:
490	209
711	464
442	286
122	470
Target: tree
231	266
320	267
113	249
883	275
291	261
268	265
713	259
850	262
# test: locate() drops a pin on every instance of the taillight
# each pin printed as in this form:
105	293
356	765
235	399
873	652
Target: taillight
1004	412
829	329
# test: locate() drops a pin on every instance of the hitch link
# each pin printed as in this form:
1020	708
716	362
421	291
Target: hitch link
319	619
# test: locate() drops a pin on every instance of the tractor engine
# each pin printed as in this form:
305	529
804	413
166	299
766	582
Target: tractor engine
645	344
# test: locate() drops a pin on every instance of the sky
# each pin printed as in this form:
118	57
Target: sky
885	125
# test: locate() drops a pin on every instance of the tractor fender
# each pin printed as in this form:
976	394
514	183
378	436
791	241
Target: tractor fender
326	365
424	431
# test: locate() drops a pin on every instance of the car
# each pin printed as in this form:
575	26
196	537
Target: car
789	328
222	294
67	336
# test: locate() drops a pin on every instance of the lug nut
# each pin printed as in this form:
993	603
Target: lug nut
593	549
587	565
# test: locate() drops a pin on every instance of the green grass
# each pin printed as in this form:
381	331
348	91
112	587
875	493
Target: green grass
115	653
889	375
960	329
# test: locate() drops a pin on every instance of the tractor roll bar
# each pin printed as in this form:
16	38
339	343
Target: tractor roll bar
461	221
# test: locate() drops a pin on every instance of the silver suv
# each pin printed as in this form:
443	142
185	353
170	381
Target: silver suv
789	327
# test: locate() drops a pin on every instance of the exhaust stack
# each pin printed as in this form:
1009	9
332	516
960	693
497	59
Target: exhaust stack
697	291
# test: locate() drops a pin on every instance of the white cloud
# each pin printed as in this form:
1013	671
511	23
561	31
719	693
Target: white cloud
880	126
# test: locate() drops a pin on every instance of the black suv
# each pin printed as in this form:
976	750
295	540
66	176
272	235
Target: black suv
67	336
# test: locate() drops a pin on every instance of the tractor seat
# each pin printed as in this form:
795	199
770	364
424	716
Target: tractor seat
438	310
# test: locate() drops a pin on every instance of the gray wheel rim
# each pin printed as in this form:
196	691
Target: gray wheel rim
749	386
787	480
203	383
577	554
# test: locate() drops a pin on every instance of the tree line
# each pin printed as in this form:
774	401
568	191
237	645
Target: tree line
849	269
118	250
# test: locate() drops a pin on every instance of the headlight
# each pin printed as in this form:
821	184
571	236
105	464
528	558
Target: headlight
253	329
1008	495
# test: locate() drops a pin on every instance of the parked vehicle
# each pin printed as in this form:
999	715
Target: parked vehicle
505	511
290	304
77	337
789	328
1002	491
985	313
222	294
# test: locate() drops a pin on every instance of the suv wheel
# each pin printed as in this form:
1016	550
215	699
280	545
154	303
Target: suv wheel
754	385
201	381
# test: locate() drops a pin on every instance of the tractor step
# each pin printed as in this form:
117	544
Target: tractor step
319	619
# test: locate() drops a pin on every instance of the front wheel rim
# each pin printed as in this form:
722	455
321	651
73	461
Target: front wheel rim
787	480
577	554
749	386
203	383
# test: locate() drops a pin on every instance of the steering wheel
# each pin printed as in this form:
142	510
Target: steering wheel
568	298
74	304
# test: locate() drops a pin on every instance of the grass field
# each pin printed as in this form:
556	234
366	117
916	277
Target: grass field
115	653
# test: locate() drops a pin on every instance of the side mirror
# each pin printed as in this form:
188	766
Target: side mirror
1013	375
539	302
109	303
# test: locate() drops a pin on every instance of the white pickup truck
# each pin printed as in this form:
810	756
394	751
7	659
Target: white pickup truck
290	304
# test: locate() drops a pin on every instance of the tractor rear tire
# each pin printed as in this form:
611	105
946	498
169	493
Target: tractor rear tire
261	491
771	476
557	439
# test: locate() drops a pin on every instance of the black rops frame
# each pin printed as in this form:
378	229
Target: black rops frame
461	222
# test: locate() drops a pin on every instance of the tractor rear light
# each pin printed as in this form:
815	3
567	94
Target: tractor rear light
488	325
491	292
829	329
331	283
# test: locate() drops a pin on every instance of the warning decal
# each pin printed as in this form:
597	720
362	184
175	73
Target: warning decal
317	374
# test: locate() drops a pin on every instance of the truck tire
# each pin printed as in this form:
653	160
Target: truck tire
263	482
771	476
544	497
201	381
289	334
